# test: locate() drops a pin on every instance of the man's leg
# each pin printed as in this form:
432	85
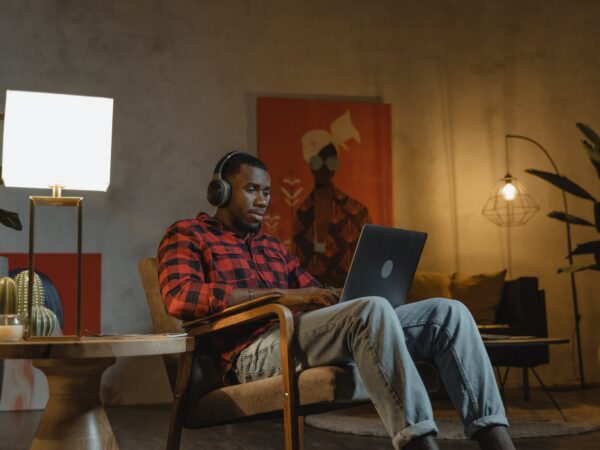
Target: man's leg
366	332
444	332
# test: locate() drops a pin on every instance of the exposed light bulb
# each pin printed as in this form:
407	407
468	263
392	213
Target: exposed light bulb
509	192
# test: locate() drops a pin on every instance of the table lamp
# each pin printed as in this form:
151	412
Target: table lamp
56	141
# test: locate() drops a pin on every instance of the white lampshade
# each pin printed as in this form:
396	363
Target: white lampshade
57	140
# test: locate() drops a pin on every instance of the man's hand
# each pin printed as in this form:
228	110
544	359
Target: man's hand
308	299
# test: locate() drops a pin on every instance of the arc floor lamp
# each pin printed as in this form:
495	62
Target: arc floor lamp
510	205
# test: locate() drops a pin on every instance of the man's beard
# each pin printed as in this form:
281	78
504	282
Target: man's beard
247	227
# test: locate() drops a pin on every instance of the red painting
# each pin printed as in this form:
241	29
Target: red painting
61	269
330	166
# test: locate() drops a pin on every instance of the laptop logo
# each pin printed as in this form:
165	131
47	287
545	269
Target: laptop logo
386	269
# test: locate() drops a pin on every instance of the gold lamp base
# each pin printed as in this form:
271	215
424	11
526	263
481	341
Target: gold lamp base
54	200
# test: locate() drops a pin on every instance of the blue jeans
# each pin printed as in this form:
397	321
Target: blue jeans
382	342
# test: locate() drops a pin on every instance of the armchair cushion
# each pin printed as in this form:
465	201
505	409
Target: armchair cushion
319	388
317	385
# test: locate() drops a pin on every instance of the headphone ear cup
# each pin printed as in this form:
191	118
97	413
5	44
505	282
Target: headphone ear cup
218	192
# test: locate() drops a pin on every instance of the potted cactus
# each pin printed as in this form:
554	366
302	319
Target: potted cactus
592	147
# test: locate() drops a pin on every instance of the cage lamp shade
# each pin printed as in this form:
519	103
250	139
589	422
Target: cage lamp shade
57	140
509	204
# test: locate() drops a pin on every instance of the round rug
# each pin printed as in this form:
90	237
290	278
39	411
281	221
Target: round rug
537	417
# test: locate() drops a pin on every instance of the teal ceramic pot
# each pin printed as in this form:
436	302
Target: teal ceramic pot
43	321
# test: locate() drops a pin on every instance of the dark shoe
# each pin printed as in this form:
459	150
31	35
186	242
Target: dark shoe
494	437
426	442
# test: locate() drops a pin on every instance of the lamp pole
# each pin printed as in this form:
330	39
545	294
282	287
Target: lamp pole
569	249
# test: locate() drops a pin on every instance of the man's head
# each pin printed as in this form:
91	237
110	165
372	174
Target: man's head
249	192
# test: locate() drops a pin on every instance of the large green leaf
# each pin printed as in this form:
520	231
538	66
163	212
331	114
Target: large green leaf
578	268
10	219
594	154
587	247
589	133
562	182
559	215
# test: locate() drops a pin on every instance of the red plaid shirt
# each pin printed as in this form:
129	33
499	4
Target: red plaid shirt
201	262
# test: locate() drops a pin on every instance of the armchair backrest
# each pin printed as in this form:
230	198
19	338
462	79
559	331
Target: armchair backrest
163	323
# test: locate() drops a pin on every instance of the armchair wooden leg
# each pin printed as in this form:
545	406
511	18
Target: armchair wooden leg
290	412
301	432
183	377
290	389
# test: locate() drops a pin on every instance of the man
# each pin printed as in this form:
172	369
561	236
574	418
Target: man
209	263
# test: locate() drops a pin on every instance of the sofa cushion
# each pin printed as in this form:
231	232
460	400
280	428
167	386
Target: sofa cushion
429	285
481	293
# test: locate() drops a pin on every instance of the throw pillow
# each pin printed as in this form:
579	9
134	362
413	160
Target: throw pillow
480	293
429	285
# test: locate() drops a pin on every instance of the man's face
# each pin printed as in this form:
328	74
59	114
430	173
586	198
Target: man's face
250	197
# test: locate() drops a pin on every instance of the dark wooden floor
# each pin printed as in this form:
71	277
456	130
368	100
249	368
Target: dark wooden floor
145	427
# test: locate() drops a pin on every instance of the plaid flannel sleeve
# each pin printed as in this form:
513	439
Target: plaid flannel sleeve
186	293
297	276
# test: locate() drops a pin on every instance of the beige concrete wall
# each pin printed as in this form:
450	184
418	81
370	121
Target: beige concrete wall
185	74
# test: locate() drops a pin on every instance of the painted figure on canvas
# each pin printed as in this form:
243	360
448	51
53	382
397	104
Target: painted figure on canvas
329	221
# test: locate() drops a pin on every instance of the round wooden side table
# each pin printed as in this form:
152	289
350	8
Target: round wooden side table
74	418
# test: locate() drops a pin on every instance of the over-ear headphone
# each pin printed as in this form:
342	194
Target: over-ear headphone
219	189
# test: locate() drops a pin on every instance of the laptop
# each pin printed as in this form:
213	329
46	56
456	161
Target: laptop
384	263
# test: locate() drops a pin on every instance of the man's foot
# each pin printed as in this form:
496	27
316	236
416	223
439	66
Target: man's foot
426	442
494	437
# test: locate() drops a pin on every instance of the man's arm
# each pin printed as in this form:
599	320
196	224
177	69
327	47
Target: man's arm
186	293
302	299
304	292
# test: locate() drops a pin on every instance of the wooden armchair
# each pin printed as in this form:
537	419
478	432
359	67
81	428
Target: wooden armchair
200	401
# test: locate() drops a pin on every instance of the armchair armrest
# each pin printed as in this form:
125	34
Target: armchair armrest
229	318
232	310
251	311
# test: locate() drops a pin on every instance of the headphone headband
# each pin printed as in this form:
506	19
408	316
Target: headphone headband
219	167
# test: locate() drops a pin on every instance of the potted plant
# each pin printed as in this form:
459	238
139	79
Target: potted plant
592	147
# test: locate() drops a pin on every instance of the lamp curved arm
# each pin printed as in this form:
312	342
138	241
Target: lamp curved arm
537	144
555	167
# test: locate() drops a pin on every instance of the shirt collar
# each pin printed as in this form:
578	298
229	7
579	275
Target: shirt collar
204	217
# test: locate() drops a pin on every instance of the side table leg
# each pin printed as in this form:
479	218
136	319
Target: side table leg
549	394
525	377
183	378
74	418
